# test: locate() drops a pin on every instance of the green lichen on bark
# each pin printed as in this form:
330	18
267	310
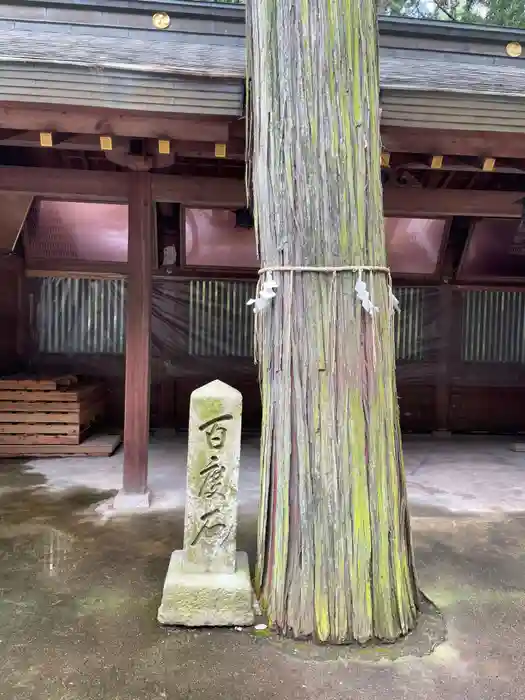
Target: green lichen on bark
335	554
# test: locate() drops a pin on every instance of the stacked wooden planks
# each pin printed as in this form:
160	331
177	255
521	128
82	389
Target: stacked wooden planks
47	412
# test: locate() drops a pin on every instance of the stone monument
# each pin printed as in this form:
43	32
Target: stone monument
208	582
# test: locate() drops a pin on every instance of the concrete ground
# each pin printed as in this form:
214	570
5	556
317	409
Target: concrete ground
79	593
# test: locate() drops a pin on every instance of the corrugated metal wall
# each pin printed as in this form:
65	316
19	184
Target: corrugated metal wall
493	322
80	316
493	326
207	319
409	323
221	324
87	316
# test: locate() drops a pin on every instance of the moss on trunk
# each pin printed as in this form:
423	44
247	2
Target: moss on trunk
335	554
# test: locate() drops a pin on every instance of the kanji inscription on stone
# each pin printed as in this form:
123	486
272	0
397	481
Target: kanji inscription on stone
208	582
214	448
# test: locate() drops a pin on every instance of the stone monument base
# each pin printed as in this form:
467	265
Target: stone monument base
208	599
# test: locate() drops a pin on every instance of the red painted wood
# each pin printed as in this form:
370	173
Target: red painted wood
452	142
138	334
12	314
445	319
431	203
84	120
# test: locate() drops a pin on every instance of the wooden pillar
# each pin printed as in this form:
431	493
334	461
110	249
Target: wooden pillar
446	339
138	334
22	320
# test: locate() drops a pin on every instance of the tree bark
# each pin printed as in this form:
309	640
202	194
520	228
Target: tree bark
334	546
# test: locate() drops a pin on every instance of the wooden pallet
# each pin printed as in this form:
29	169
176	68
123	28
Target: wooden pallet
79	393
94	446
23	381
47	406
48	411
83	415
43	439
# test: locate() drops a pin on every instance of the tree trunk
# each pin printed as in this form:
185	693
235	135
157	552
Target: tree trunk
335	553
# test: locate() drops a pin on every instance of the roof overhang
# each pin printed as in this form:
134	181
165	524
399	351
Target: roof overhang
99	53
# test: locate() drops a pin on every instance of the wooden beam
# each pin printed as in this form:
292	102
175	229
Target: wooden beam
411	201
36	267
230	192
74	272
44	139
22	311
453	165
235	149
14	208
7	134
48	182
443	385
68	142
453	142
113	186
199	191
237	128
447	317
138	334
112	122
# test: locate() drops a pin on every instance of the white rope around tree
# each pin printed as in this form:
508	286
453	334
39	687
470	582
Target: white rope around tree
266	287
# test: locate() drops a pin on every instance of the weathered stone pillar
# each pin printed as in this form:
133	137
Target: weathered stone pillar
208	582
